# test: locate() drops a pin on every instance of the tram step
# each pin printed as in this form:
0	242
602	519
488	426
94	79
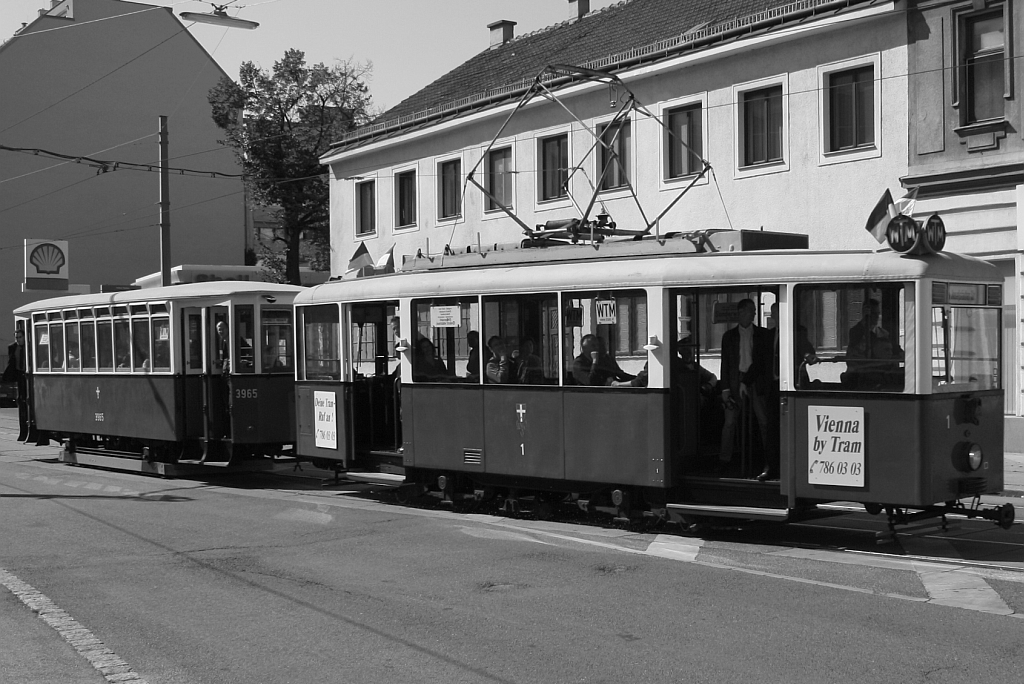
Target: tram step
746	512
380	478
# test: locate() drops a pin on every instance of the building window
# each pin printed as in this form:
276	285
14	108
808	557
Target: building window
499	178
614	156
683	141
366	208
983	51
851	106
554	167
449	192
405	199
762	126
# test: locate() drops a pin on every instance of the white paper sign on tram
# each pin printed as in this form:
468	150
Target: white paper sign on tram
605	311
835	445
325	419
445	316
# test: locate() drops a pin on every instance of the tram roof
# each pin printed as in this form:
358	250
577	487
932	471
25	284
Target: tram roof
215	288
703	269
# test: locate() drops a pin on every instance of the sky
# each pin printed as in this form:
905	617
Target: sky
410	43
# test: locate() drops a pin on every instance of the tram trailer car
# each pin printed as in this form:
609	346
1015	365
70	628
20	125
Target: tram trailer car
147	374
885	386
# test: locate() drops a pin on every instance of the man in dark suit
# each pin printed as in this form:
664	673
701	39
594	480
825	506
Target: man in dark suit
746	377
17	364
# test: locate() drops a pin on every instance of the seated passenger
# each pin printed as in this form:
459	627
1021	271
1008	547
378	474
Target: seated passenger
499	366
427	366
530	367
473	364
594	366
639	381
873	356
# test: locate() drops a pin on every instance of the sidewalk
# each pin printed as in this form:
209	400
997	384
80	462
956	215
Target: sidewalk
1013	474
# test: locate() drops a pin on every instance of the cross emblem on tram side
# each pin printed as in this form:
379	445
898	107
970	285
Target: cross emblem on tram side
521	410
97	391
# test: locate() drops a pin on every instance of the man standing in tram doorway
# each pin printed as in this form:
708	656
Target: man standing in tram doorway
17	363
223	348
746	377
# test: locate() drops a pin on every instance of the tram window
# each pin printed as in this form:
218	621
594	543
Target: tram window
603	337
42	354
527	327
122	346
714	313
321	347
244	335
195	341
56	346
105	345
140	344
371	332
442	351
74	350
277	341
88	346
858	335
161	344
965	348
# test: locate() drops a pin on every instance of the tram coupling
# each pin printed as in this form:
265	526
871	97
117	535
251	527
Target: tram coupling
1002	515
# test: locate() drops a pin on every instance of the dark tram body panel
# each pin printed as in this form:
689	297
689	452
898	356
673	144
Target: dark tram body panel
306	423
262	408
143	407
524	432
896	427
576	436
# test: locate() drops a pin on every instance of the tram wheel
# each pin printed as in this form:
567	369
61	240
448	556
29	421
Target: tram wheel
873	508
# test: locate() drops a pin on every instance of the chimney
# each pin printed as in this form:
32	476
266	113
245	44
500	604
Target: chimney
578	9
501	32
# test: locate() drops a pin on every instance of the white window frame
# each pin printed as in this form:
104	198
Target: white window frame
538	137
672	184
509	144
395	173
355	207
738	91
439	188
597	126
825	72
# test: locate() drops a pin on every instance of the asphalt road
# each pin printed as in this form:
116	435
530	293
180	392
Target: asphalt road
262	579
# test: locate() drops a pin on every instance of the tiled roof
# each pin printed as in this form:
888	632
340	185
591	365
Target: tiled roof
604	39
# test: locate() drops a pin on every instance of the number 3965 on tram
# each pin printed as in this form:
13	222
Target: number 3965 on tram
197	373
612	378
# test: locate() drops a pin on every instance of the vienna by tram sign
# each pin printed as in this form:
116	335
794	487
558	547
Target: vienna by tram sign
835	445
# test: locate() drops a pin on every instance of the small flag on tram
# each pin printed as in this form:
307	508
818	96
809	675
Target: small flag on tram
360	259
386	263
905	204
879	217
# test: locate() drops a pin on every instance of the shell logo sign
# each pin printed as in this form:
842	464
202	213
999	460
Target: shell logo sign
46	264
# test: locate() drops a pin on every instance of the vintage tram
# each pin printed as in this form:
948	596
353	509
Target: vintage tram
197	373
473	375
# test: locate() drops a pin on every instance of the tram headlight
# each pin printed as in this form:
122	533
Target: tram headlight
967	457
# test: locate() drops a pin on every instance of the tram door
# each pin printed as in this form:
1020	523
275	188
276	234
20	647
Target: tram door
218	367
716	434
376	384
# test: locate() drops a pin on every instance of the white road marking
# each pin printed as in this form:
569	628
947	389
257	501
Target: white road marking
113	668
953	586
305	515
505	535
678	548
